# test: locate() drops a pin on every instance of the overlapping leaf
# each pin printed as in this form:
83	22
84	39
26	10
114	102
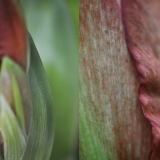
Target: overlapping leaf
27	132
40	139
12	125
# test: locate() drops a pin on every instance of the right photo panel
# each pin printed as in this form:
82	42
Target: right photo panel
119	76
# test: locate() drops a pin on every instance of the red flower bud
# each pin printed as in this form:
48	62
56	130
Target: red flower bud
13	41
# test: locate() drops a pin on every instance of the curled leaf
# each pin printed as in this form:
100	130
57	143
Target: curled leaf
14	139
12	117
15	88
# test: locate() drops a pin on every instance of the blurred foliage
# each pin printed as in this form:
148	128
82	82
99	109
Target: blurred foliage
53	25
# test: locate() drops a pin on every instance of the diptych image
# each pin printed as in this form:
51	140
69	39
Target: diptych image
79	80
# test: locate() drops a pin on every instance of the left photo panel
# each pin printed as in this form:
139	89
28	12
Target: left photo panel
39	54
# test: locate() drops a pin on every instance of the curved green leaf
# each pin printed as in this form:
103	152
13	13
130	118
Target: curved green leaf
40	139
14	140
15	89
12	123
57	43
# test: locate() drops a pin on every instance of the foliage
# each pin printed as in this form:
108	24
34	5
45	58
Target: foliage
54	27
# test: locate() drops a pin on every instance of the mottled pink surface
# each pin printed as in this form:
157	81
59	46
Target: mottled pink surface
142	27
13	41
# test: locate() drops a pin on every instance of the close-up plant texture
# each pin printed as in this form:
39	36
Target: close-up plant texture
119	80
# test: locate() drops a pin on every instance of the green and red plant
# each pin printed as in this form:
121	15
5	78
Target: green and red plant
26	103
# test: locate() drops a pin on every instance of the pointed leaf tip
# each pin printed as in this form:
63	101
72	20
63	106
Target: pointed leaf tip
13	40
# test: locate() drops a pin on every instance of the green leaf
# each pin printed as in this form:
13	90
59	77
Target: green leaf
11	67
40	139
12	125
14	79
14	140
57	43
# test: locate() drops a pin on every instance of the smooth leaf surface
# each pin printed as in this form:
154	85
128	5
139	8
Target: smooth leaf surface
40	138
57	44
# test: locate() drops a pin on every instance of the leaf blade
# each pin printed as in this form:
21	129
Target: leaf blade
40	139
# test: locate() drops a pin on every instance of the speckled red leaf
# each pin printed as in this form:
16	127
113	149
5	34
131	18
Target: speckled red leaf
112	124
141	22
13	42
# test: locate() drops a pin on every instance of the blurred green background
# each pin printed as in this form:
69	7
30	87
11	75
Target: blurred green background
54	26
